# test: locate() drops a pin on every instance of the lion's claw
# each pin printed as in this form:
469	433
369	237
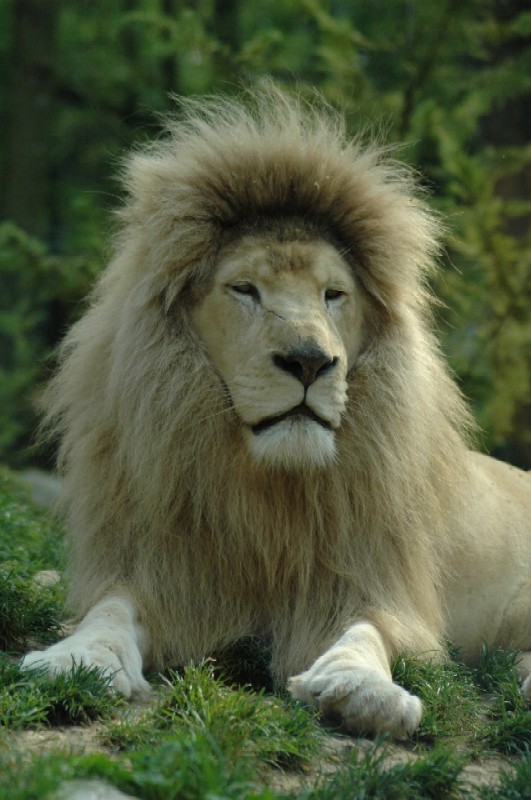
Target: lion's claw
362	699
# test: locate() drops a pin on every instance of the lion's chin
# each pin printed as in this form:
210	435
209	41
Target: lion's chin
294	443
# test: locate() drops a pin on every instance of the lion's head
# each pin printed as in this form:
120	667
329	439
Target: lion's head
282	323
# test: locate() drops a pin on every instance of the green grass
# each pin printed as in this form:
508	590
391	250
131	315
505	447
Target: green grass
196	703
515	784
449	694
508	727
29	542
28	536
173	769
33	699
436	775
26	610
217	730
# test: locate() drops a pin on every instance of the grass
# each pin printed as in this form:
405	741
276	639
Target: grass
508	727
217	730
28	537
514	784
436	775
30	700
449	694
29	542
241	722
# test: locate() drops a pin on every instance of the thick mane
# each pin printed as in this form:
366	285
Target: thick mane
152	452
225	162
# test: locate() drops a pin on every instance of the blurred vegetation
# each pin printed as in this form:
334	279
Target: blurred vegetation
30	543
449	81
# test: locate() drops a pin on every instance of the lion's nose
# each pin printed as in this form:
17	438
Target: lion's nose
306	364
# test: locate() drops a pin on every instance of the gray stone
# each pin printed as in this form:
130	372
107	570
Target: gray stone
44	486
90	790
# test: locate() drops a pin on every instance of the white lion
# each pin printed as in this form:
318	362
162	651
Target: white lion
259	435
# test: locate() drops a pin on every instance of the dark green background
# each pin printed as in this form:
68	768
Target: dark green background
450	81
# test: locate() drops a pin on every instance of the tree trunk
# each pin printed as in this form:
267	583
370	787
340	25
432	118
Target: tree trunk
25	191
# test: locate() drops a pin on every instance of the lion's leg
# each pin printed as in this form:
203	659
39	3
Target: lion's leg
109	637
352	680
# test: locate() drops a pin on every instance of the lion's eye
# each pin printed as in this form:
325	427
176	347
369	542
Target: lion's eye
333	294
246	289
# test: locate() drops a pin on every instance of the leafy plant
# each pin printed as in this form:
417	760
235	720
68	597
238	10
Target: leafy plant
37	291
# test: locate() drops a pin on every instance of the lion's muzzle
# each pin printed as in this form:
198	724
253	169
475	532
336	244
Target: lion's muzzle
306	364
302	410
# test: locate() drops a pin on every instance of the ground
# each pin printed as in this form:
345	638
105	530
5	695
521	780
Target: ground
216	730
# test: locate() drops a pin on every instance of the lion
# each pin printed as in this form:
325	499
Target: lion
259	436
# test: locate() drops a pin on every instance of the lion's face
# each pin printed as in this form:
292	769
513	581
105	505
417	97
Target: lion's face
282	325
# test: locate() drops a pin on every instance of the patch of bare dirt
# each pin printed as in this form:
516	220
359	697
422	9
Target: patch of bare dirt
484	772
71	739
77	739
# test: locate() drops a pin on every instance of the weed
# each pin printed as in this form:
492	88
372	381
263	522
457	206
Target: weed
435	775
511	733
496	673
190	770
26	610
28	536
238	720
508	727
28	542
33	699
514	784
449	695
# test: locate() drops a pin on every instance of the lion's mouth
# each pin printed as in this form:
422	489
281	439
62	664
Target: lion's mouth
302	410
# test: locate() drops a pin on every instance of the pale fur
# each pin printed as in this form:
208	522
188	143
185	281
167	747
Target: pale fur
168	510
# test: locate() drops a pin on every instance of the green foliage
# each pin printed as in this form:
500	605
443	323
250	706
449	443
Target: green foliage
508	728
26	609
36	295
448	693
33	699
435	775
29	542
483	704
496	674
29	537
515	783
197	704
510	732
450	78
192	770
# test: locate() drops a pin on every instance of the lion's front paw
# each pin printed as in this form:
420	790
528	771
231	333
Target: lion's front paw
364	700
125	670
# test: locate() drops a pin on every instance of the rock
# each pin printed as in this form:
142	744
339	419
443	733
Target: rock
90	790
47	577
44	486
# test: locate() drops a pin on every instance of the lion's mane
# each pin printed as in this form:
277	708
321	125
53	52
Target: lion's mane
163	497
